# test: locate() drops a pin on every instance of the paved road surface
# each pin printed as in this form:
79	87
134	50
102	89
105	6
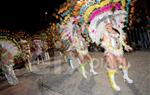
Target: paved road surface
56	78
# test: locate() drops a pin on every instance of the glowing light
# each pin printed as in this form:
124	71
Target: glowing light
46	13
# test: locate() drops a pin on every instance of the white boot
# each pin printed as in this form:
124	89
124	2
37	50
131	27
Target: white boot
84	75
93	72
126	77
92	69
71	64
10	76
79	62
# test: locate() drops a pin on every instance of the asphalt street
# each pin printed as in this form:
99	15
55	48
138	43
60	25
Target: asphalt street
55	77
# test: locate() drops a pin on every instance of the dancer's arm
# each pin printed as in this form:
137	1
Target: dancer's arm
104	41
126	46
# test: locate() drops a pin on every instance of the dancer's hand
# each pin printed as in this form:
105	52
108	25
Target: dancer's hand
128	48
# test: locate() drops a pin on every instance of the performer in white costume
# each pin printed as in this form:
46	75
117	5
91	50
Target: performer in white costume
6	63
108	26
82	51
26	51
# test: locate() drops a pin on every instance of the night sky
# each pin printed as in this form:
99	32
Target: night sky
27	15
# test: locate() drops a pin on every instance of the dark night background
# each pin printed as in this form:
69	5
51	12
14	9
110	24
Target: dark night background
27	15
30	15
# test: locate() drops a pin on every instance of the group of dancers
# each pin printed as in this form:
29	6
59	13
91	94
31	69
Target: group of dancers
105	29
114	44
112	40
7	61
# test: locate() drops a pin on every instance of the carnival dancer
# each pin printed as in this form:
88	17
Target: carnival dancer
64	53
26	51
68	56
45	50
38	51
106	28
66	42
82	51
6	62
113	45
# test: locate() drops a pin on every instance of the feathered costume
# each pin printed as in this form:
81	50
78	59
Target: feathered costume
115	41
25	49
98	14
76	43
6	63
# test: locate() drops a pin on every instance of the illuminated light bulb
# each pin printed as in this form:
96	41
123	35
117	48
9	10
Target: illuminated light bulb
46	13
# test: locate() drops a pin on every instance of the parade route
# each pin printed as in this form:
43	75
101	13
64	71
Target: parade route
56	78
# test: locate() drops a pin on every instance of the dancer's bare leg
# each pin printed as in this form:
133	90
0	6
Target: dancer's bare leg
82	65
29	64
91	64
122	60
112	70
